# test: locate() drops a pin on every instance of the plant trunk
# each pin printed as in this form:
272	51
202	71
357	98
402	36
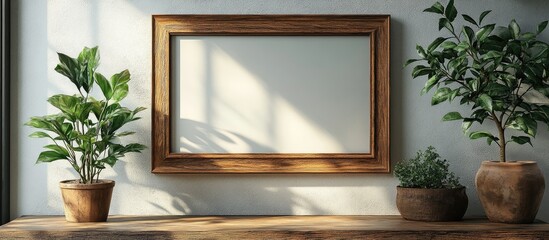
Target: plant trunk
502	157
502	143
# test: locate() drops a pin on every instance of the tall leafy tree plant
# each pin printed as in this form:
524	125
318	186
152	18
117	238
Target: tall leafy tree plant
85	132
501	72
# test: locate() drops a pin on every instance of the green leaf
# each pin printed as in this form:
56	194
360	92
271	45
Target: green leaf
50	156
501	35
117	121
89	56
435	44
445	23
69	68
496	89
514	47
139	109
484	32
421	51
97	106
451	11
469	19
518	124
39	135
542	53
540	116
88	59
119	150
473	84
440	95
430	83
98	164
436	8
462	46
491	55
526	124
469	33
421	70
120	79
531	125
104	85
451	116
67	104
58	149
111	160
410	61
466	125
541	27
514	29
521	140
489	140
114	109
454	94
485	102
83	111
120	93
41	123
528	36
480	134
482	16
448	45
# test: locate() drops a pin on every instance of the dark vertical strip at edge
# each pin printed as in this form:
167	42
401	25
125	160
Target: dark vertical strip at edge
5	111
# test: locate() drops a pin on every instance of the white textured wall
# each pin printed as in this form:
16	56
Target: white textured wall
122	29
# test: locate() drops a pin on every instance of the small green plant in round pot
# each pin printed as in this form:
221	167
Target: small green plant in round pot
86	134
501	73
428	191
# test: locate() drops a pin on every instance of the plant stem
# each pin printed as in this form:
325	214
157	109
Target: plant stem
502	142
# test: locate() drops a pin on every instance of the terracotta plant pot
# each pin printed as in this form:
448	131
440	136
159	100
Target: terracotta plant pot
433	205
510	192
86	202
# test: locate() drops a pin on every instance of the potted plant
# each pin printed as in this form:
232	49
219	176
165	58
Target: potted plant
501	72
428	191
86	134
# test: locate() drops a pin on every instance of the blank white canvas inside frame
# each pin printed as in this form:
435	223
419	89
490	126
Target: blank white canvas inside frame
270	94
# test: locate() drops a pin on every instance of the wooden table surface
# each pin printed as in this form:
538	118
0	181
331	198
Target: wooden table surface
266	227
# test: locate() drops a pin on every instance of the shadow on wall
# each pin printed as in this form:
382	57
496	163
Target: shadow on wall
199	202
249	194
214	195
254	194
204	138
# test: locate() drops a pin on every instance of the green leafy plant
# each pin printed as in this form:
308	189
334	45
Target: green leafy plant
500	71
85	132
426	170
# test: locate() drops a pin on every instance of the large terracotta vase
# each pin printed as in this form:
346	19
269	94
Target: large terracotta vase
432	205
86	202
510	192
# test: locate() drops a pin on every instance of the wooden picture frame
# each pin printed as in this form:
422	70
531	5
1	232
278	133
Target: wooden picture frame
377	27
